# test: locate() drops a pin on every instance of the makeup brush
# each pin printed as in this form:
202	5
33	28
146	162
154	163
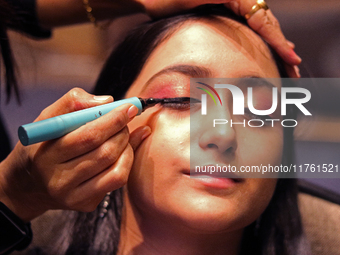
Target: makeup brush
58	126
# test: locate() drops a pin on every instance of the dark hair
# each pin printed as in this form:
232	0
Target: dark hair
277	232
6	17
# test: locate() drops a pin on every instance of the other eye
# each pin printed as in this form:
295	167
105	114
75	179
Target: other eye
251	115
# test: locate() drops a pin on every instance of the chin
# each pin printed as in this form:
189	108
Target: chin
209	214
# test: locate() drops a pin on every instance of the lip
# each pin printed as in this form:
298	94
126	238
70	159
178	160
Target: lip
223	180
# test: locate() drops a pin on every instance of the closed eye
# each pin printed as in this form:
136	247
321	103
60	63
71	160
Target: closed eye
255	116
180	103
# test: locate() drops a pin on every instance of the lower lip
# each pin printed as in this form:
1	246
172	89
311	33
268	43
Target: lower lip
214	182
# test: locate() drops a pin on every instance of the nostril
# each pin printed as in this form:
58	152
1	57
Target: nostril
211	145
214	146
230	150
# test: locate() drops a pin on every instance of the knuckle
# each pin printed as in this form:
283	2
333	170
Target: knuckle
120	120
57	189
44	113
89	140
108	154
275	22
126	131
121	176
123	137
111	150
75	93
129	152
270	23
121	173
74	97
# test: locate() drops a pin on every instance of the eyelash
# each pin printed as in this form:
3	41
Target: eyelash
180	106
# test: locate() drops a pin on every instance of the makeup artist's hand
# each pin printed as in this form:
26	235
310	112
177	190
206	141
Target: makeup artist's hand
75	171
53	13
263	22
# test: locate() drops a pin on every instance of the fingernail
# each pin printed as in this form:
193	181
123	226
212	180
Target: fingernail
297	71
235	7
101	98
294	56
291	44
146	132
132	112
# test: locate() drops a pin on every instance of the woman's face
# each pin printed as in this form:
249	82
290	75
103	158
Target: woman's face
160	187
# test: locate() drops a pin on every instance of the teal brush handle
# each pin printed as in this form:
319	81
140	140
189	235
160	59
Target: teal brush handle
58	126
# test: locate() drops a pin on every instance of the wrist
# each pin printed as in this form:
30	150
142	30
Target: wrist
60	13
110	9
15	189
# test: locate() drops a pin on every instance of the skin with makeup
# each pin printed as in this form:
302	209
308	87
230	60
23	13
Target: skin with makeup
169	206
165	211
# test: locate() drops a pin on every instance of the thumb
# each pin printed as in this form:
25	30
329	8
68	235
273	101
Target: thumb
138	135
74	100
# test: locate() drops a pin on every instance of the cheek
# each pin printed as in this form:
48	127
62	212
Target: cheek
169	136
156	158
258	146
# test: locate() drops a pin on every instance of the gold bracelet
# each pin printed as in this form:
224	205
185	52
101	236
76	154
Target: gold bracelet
92	18
89	13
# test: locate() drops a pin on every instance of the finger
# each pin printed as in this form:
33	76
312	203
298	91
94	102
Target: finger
234	6
93	134
76	99
111	179
138	135
266	25
292	71
89	165
87	195
117	175
291	44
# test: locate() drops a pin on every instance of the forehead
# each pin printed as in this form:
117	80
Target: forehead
227	48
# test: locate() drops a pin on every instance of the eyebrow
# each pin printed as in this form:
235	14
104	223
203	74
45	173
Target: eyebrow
258	81
254	81
191	71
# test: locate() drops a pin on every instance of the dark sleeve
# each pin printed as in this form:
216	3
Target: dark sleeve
26	20
5	147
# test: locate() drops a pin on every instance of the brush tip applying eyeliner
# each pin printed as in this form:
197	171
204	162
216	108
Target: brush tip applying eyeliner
149	102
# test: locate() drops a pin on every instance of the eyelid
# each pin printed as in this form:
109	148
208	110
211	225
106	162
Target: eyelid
262	117
167	85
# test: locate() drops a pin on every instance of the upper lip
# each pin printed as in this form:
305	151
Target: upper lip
227	174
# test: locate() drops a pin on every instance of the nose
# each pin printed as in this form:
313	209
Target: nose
221	138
